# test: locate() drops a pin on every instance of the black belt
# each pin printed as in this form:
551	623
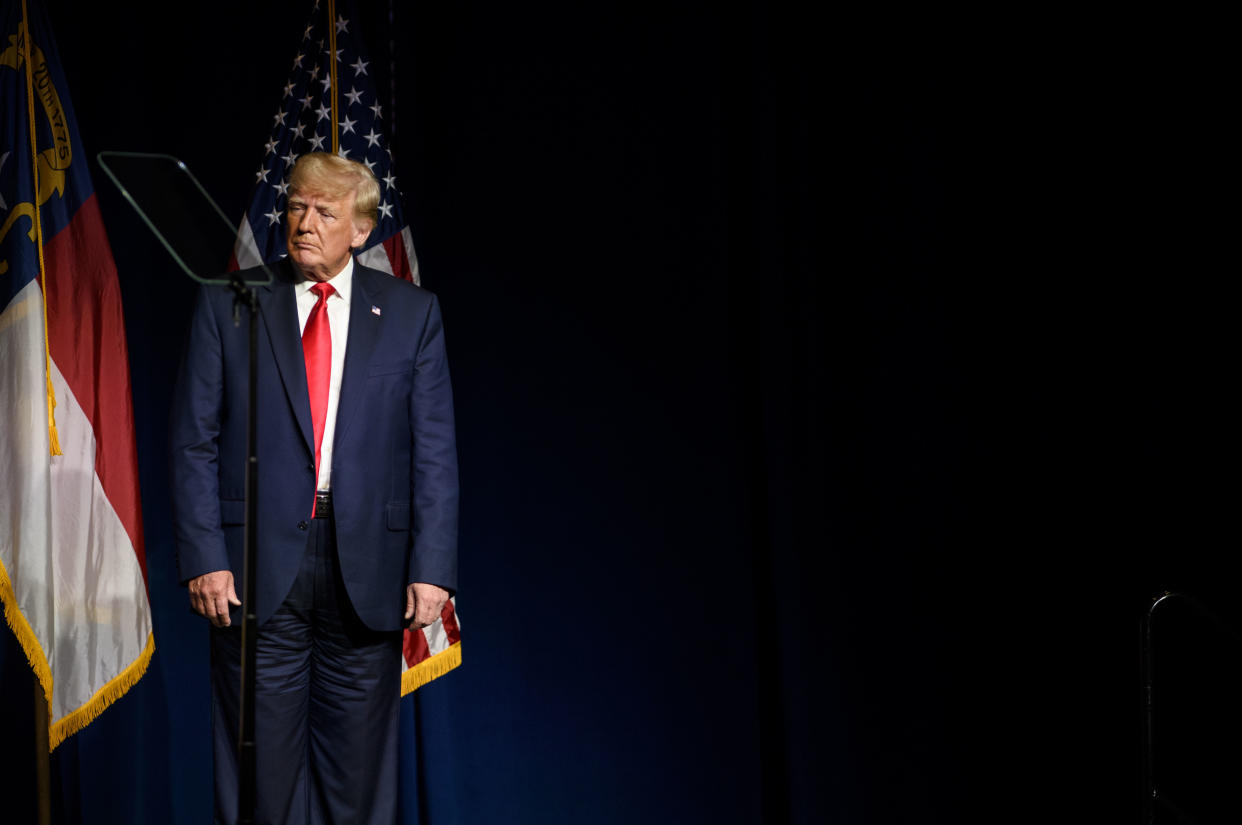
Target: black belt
323	504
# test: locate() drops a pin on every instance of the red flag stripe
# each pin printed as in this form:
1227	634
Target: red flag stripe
400	259
449	617
416	649
86	333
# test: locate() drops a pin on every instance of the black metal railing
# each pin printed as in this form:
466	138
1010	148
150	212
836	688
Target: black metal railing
1215	644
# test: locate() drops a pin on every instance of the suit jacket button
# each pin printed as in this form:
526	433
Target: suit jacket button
302	525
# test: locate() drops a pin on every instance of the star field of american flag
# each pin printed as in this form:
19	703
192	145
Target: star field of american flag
303	123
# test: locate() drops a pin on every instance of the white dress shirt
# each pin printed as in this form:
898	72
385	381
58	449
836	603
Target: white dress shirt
338	322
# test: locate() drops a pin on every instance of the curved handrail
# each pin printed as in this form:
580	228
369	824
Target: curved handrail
1150	792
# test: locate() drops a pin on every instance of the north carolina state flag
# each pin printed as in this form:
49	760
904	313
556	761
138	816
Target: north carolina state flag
72	567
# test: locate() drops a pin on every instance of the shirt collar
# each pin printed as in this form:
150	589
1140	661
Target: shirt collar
342	282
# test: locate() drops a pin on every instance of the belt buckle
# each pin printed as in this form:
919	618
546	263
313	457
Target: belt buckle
323	503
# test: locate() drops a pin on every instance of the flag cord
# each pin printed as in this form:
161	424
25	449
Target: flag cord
53	437
336	137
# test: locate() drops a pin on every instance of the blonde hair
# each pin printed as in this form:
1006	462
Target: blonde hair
333	176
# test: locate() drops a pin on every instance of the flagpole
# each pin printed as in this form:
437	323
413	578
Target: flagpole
336	130
43	779
392	81
42	720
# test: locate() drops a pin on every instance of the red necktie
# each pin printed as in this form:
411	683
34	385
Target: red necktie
317	349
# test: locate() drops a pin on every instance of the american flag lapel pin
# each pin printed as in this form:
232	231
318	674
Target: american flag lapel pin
375	310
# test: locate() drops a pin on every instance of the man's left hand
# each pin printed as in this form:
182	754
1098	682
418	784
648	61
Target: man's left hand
423	603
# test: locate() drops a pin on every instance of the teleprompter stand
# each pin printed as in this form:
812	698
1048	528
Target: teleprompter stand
198	235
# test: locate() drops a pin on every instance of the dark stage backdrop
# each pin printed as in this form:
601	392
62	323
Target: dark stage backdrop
828	405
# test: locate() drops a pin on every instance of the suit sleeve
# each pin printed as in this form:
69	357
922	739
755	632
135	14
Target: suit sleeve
194	447
433	553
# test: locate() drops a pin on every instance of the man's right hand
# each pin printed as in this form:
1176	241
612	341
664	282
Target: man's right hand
211	594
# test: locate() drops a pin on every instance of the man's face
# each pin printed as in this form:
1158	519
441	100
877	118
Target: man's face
319	232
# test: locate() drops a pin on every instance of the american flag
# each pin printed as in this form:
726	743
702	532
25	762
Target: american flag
304	122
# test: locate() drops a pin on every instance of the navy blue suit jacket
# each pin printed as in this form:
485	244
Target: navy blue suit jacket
394	466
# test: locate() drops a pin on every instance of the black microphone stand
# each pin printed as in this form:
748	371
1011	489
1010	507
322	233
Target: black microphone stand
244	295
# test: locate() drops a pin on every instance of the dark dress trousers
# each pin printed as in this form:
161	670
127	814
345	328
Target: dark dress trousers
330	593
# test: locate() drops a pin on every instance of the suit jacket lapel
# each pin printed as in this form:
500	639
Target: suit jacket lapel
278	306
364	329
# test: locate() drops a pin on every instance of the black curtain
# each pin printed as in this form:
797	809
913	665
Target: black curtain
832	397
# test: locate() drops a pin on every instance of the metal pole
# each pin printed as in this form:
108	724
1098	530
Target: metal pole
250	627
42	754
1148	719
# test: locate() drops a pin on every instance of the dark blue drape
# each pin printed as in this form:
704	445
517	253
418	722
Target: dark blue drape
829	403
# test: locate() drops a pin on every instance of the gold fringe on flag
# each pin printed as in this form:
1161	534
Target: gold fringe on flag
105	696
116	687
429	669
25	636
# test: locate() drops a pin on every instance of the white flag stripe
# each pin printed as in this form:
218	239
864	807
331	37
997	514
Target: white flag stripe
410	254
437	638
376	258
79	583
245	249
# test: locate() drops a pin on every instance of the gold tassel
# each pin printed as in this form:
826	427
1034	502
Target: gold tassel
53	436
51	410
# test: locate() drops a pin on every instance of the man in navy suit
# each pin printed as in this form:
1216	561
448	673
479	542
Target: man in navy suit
357	503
